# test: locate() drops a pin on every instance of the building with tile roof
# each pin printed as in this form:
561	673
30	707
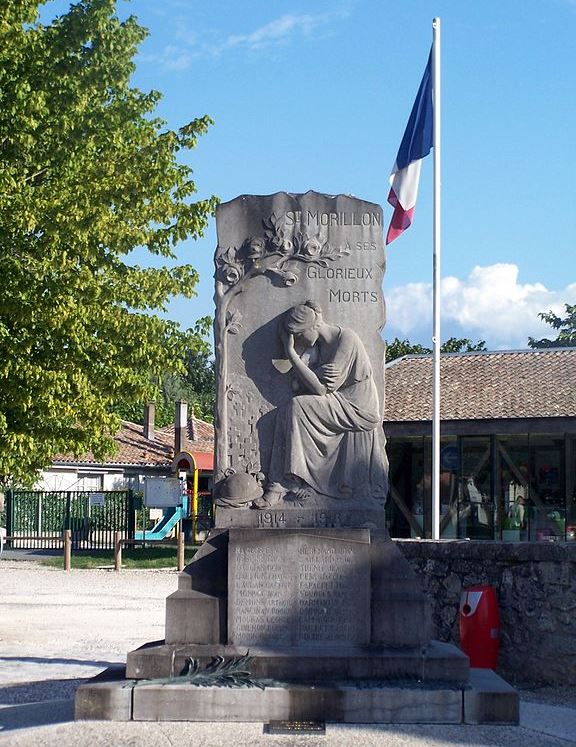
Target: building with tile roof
142	451
508	443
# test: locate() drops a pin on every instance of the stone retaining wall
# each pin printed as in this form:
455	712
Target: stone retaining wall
536	588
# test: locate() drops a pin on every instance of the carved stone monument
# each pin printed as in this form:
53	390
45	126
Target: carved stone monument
299	311
299	570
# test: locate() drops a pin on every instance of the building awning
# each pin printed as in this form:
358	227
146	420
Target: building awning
202	460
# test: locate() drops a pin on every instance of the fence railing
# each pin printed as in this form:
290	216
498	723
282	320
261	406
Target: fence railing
36	519
65	540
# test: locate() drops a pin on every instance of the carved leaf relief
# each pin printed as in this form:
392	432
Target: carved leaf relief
269	254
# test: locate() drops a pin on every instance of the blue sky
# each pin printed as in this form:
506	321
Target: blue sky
316	95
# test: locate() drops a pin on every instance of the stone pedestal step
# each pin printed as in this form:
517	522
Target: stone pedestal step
486	700
436	662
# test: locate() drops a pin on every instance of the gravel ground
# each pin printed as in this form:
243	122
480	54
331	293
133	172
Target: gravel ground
58	629
549	695
58	625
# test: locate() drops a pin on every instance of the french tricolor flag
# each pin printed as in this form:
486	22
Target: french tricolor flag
415	145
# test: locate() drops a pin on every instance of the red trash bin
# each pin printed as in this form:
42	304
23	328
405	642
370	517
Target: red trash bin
480	626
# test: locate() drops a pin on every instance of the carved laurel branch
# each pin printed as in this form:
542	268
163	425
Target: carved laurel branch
220	672
269	254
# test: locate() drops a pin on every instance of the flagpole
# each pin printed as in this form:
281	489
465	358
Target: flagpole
436	286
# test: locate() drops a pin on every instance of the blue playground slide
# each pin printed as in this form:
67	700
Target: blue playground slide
165	525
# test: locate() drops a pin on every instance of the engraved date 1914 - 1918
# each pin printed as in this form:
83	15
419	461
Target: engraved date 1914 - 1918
280	520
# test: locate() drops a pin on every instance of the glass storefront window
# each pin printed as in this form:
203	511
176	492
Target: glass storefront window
476	515
449	491
571	488
408	487
547	519
519	487
513	486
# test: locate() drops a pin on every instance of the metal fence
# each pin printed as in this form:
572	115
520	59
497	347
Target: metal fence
36	519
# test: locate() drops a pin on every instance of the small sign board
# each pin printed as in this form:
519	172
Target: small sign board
162	492
295	727
449	458
97	499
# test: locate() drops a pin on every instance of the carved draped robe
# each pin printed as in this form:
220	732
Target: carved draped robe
334	442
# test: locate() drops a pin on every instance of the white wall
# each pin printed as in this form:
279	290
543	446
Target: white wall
76	478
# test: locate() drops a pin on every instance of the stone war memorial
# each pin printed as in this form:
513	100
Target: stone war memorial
298	607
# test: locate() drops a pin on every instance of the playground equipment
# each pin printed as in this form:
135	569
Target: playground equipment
167	524
170	495
185	501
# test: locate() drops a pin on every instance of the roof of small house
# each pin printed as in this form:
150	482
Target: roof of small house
133	448
484	385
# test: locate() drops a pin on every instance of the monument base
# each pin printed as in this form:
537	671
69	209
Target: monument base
436	663
487	699
336	627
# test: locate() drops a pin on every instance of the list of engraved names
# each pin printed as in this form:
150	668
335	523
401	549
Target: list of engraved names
264	600
308	594
326	605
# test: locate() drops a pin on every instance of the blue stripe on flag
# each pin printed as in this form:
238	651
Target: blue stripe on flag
418	137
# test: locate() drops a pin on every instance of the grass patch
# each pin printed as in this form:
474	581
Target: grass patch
133	557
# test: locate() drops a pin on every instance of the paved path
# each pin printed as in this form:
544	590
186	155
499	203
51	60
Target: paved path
49	724
57	629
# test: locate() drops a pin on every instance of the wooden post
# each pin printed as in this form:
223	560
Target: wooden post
181	549
118	551
67	549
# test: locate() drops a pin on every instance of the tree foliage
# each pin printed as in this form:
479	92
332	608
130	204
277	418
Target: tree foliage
566	326
196	385
397	348
200	376
462	345
87	174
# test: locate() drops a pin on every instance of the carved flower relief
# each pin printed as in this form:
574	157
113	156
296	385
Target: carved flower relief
231	274
233	322
232	392
312	247
282	244
256	248
289	278
229	268
233	264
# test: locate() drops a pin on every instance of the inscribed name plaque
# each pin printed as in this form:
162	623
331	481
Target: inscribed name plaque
300	359
290	587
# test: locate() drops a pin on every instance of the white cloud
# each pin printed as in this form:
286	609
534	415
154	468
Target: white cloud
188	45
490	304
174	58
408	307
281	30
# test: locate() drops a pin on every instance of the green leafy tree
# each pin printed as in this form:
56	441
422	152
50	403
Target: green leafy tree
567	329
462	345
200	376
87	174
196	385
397	348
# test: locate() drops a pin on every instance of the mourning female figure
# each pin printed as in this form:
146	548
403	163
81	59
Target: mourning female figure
328	439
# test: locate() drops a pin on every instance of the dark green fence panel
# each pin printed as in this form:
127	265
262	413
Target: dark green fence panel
37	519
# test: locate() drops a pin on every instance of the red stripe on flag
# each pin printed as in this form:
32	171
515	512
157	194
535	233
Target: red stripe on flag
401	219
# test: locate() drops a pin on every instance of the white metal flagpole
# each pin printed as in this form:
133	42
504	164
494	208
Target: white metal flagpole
436	285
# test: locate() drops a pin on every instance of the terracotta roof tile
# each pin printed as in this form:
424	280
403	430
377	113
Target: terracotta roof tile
135	448
502	384
199	433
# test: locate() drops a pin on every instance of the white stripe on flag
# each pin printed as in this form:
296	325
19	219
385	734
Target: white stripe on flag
405	184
